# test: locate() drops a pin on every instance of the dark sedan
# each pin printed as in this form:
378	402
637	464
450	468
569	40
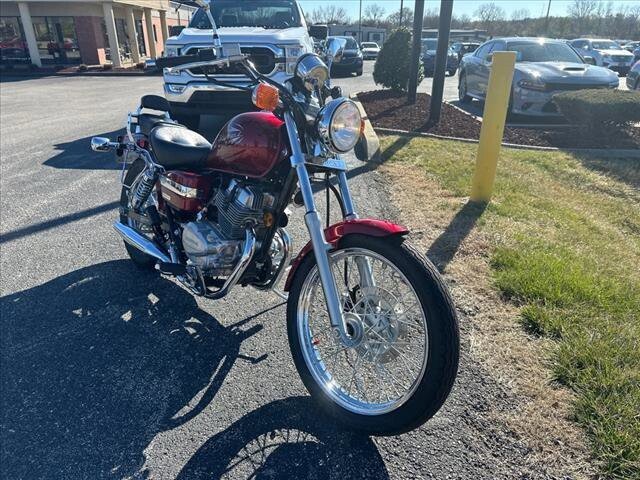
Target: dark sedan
544	67
429	47
351	61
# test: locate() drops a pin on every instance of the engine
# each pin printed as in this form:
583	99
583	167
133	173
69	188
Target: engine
215	242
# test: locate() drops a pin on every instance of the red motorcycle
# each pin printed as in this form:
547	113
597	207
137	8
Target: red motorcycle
372	329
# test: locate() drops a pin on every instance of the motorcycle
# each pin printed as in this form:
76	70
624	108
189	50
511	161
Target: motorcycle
371	326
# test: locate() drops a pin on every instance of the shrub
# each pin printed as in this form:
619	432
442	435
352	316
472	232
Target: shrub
393	64
599	108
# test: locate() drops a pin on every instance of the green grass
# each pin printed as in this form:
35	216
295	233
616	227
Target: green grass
566	246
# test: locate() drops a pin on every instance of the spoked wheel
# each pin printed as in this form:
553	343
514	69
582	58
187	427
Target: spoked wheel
463	96
402	323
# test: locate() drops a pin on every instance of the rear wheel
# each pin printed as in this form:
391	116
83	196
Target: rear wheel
130	181
462	89
405	355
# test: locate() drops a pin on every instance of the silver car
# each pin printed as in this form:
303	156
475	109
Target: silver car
633	79
544	67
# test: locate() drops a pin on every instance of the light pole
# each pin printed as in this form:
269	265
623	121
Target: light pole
546	22
437	90
400	22
360	24
418	17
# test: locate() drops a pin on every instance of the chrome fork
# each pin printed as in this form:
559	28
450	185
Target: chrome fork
314	225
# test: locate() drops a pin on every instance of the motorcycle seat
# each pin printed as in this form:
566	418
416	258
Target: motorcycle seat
147	121
177	147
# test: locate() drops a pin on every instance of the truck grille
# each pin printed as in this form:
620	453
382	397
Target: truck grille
620	58
263	58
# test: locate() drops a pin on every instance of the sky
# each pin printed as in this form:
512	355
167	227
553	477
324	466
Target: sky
460	7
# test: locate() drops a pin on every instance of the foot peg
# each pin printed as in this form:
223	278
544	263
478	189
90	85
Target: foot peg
175	269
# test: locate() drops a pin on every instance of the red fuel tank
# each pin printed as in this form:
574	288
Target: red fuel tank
250	144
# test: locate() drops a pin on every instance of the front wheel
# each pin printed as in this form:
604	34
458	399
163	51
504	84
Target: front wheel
404	360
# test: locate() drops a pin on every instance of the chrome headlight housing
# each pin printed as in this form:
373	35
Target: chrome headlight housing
339	125
312	71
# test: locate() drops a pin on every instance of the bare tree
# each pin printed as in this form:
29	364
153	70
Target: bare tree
374	14
488	14
407	18
582	9
520	14
330	14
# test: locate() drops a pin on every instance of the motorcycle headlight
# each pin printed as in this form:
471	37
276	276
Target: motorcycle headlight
312	71
339	125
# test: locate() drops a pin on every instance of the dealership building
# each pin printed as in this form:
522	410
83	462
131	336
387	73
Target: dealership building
48	32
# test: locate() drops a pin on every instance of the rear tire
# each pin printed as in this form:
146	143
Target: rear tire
433	384
462	89
141	259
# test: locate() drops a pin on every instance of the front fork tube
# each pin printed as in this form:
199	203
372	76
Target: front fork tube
314	225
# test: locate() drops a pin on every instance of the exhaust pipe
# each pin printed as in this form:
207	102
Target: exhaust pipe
140	242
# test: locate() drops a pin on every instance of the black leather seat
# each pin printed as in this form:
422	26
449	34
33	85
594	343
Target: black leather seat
147	122
177	147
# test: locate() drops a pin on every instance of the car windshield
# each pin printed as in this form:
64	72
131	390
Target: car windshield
351	43
275	14
369	45
429	44
543	52
605	45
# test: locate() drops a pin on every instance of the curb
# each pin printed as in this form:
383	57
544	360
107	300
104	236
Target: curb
610	152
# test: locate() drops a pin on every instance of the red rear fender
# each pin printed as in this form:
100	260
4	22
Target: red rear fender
333	234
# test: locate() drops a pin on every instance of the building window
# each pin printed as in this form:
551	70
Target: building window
13	47
155	34
140	33
56	39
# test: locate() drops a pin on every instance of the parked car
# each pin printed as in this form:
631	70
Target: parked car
543	67
370	50
636	54
631	46
429	47
605	53
272	32
633	78
463	48
351	61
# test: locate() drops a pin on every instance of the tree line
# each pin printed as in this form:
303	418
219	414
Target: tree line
584	18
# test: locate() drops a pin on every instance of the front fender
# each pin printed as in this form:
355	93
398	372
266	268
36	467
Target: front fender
333	234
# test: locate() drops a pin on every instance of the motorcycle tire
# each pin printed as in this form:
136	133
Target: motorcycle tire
436	379
141	259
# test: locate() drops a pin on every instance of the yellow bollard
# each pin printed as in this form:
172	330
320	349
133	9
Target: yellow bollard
493	120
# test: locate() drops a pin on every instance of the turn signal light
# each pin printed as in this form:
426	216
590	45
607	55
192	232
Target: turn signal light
266	97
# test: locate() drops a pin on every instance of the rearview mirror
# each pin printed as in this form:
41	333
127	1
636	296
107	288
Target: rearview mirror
175	30
589	59
335	49
488	58
102	144
320	32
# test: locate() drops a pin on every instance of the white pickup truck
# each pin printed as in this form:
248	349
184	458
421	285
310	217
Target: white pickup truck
272	32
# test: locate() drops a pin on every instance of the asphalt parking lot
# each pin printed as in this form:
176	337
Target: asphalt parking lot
109	372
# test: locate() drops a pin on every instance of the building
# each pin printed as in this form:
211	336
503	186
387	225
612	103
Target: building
458	35
46	32
369	34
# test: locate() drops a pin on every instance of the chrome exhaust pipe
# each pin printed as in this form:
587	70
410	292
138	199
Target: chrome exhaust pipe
140	242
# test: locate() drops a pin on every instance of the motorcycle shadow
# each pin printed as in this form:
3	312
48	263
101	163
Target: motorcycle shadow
77	155
287	438
98	361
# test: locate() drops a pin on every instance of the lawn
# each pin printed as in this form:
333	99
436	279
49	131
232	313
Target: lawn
564	232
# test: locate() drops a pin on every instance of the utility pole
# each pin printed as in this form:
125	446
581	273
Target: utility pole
400	22
546	22
437	90
360	24
415	51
